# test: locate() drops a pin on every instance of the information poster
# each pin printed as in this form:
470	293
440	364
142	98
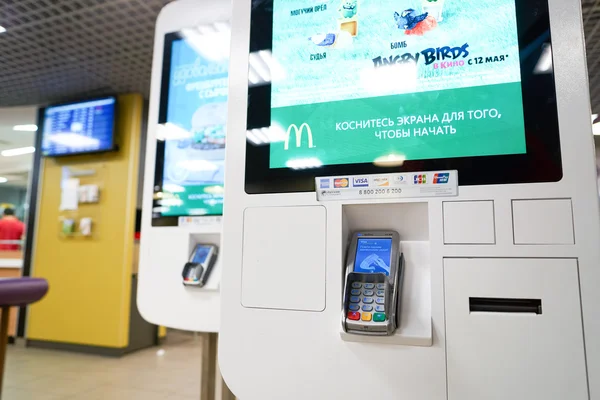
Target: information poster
361	80
194	133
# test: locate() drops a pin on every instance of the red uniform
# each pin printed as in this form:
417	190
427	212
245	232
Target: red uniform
11	229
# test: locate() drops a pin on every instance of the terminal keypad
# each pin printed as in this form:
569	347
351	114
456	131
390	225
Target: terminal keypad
367	302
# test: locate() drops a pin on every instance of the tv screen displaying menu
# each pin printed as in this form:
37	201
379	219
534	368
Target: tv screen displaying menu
79	128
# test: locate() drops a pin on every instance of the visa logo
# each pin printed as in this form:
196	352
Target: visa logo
324	184
360	182
441	178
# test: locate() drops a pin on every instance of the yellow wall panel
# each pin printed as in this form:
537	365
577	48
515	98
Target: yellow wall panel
90	277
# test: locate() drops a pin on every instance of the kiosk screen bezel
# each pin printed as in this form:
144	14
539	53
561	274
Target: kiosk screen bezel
541	163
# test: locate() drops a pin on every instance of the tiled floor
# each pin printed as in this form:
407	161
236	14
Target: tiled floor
34	374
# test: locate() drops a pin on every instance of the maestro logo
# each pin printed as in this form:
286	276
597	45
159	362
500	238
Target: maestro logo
324	184
298	132
341	183
381	181
360	182
439	179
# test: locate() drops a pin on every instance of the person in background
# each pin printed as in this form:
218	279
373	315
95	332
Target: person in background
10	229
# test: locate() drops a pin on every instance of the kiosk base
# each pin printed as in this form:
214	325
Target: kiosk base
212	385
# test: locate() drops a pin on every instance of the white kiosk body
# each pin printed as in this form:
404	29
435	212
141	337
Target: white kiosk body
184	163
524	225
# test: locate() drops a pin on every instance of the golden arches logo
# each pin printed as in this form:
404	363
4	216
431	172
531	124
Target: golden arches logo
298	132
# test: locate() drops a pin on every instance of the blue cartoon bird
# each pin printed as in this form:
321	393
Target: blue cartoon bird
408	19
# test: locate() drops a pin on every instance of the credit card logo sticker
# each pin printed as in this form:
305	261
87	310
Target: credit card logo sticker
360	182
420	179
399	180
381	181
441	178
341	183
324	184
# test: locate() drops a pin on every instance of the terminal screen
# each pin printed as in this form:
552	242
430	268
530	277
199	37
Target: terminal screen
373	256
201	254
194	124
358	81
77	128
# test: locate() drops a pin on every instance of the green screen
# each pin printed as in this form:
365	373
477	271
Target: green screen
361	81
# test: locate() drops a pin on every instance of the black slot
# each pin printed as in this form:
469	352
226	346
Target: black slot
487	304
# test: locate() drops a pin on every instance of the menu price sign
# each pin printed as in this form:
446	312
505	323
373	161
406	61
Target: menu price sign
387	186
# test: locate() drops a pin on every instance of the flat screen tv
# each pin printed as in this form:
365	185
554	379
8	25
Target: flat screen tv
79	127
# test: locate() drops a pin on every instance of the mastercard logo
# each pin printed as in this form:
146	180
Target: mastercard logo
341	183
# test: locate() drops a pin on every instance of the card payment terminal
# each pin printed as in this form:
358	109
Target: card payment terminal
374	272
198	269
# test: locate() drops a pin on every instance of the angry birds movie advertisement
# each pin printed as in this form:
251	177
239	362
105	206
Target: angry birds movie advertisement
370	77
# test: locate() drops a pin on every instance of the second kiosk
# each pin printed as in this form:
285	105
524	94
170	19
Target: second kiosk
180	260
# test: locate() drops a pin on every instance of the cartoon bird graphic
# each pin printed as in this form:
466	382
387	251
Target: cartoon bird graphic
414	24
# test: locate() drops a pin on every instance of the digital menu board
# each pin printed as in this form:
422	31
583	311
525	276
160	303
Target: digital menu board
79	128
191	150
358	81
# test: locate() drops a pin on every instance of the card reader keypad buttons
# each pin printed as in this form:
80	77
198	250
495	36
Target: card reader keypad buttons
354	316
379	317
364	306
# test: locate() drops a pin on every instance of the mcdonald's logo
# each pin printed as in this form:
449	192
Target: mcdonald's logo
298	132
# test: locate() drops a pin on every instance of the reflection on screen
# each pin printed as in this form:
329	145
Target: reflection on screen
194	132
200	254
84	127
373	256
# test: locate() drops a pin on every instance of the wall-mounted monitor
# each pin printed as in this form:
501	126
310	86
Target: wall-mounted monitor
190	152
368	87
79	127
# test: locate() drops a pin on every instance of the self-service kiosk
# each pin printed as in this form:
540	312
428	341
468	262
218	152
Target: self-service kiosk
460	129
180	265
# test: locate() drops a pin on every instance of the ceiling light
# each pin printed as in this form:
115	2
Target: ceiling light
18	152
594	118
3	179
25	128
2	29
596	129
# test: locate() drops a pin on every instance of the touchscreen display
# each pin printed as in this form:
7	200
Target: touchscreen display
373	256
200	254
357	81
194	128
